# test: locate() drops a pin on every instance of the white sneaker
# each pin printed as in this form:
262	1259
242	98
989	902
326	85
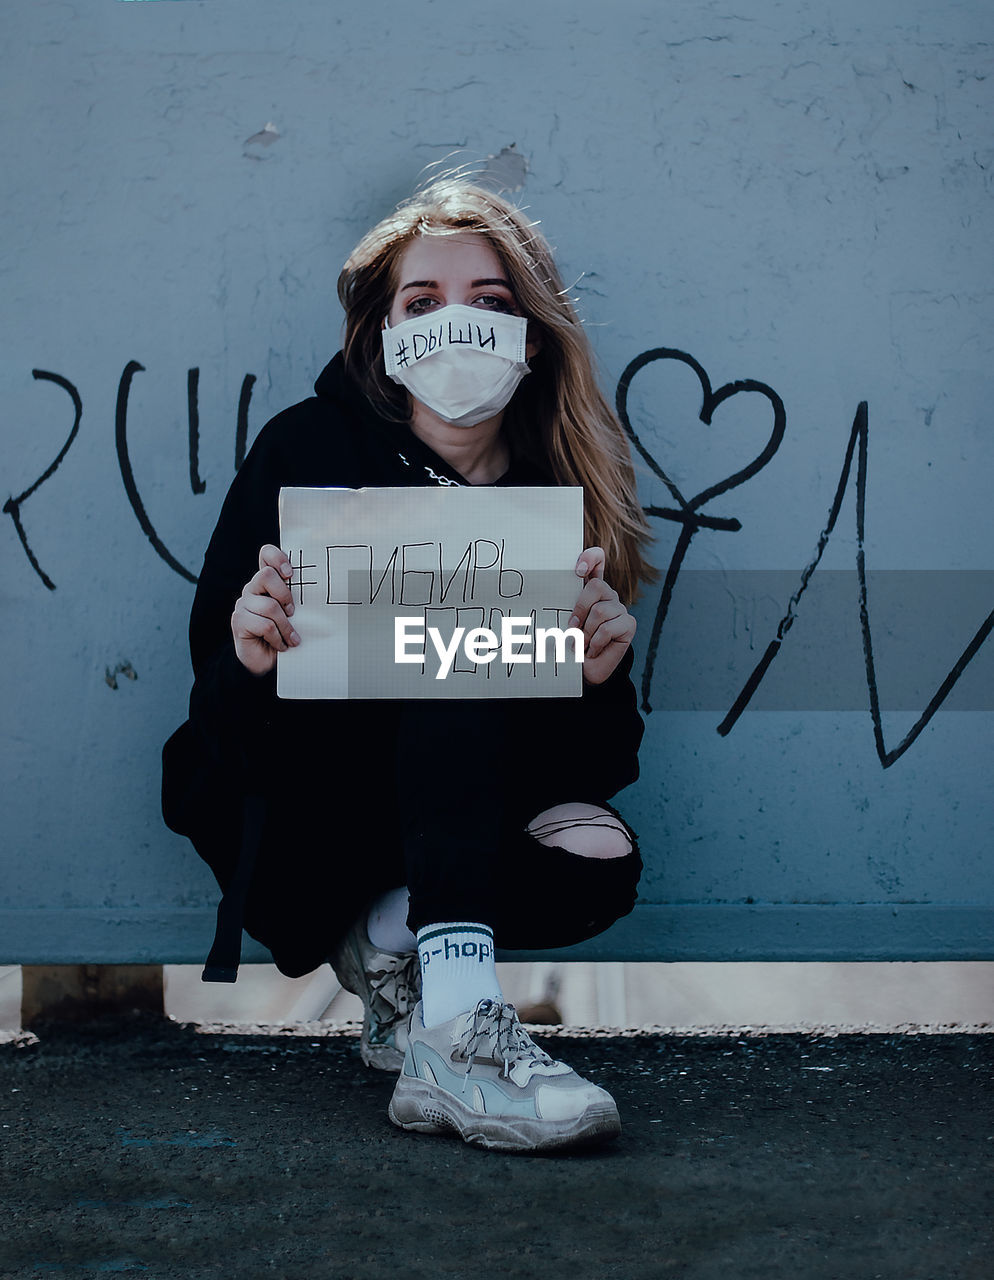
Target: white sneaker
389	985
481	1076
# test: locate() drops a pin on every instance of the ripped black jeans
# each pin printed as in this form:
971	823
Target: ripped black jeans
437	796
467	791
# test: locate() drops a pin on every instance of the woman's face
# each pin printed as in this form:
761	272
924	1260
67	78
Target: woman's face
442	271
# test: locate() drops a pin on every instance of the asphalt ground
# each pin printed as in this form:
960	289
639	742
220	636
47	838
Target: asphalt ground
153	1147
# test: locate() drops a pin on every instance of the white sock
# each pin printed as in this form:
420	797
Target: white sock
386	924
458	969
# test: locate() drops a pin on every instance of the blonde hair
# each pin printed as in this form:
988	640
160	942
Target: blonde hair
558	417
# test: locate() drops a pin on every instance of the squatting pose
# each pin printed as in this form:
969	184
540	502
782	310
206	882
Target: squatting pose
412	837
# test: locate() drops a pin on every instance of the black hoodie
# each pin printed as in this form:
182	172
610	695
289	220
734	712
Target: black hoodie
238	730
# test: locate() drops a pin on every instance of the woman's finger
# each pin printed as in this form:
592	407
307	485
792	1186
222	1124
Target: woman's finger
264	618
599	616
609	645
260	622
595	590
591	563
269	582
620	628
275	558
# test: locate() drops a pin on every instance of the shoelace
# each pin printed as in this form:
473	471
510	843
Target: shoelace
496	1028
394	990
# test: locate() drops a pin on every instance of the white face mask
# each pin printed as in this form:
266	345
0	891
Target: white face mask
462	362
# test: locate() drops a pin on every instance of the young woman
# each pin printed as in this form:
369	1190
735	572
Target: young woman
404	841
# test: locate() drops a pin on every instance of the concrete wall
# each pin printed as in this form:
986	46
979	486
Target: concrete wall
786	194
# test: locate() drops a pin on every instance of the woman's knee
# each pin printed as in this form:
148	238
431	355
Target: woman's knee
584	829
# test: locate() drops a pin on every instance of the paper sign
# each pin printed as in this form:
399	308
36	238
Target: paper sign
454	592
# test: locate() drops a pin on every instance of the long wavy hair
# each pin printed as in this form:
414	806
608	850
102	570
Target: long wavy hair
558	417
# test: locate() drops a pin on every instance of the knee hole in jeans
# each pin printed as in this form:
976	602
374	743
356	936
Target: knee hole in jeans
583	829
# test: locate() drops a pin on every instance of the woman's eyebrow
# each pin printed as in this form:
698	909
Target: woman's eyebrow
475	284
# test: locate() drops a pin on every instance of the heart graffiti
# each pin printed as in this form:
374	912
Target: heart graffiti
687	513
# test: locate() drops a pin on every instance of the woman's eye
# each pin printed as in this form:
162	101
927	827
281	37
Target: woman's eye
418	306
494	302
485	302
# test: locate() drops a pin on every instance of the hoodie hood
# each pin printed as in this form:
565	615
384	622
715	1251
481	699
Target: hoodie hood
333	383
335	386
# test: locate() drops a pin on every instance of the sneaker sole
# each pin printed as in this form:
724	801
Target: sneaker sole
421	1107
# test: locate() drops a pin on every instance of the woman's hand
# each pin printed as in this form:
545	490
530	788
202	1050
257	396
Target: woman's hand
260	623
607	625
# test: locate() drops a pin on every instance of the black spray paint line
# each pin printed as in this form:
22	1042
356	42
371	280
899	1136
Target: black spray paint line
858	444
686	514
241	424
127	475
12	506
193	419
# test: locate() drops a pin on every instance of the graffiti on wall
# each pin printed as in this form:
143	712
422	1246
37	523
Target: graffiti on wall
193	415
687	513
12	506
